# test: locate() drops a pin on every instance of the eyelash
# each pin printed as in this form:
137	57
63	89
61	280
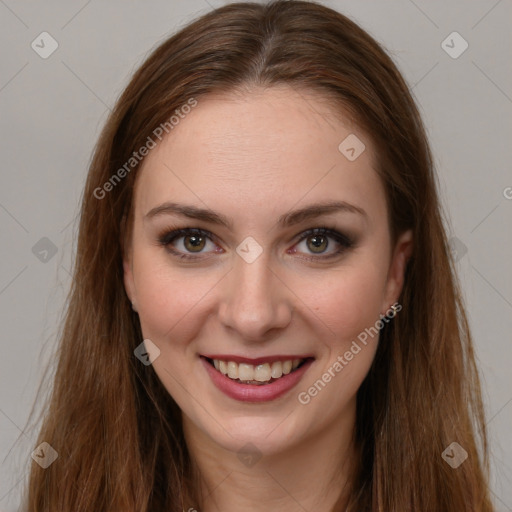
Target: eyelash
171	235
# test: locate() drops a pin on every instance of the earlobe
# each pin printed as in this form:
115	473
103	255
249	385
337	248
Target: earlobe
396	275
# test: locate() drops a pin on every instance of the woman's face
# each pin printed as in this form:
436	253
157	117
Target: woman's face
252	289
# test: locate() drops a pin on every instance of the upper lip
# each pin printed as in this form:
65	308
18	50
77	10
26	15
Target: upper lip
257	360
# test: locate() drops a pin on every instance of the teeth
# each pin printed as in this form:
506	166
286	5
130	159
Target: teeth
262	372
245	371
277	369
256	374
232	370
287	367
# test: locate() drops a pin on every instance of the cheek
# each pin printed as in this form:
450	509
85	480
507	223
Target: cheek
350	306
350	300
165	296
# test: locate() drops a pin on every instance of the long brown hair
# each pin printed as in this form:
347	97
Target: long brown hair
116	429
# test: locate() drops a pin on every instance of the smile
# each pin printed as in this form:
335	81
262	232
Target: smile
257	382
256	374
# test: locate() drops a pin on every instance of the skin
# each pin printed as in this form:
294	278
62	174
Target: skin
254	157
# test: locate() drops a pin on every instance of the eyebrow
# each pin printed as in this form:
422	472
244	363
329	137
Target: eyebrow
285	220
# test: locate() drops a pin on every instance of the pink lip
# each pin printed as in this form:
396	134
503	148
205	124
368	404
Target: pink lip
253	392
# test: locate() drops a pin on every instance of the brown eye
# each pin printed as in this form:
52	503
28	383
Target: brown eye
322	243
194	243
188	242
317	243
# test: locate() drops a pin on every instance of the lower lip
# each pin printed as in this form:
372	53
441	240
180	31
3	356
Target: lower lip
254	392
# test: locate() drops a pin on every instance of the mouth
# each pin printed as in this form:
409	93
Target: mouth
260	374
255	380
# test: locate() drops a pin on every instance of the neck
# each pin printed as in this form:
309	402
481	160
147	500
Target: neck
313	475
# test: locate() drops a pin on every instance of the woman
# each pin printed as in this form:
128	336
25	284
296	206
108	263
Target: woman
264	313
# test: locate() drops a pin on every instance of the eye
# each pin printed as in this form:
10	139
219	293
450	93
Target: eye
184	243
318	240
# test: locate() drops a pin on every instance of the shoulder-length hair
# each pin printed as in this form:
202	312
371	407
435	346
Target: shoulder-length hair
117	430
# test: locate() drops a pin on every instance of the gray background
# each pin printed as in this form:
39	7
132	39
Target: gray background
52	110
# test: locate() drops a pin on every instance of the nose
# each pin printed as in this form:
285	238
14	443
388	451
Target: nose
255	303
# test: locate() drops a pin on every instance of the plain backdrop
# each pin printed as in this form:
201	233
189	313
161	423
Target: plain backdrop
53	108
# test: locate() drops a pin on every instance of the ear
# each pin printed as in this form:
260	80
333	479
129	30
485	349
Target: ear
395	281
127	252
129	284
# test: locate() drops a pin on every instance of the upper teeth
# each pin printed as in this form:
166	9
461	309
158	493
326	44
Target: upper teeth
261	372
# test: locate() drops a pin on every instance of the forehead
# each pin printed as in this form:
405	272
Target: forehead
251	151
